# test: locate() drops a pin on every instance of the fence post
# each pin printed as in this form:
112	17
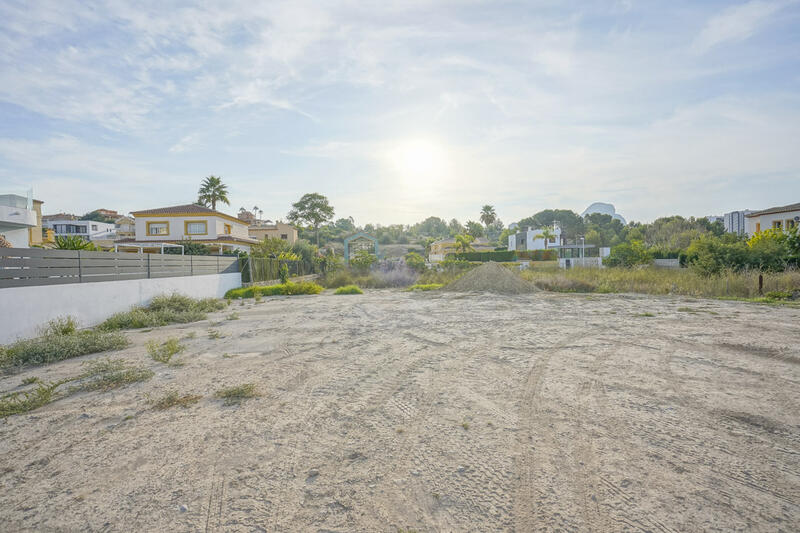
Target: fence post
191	266
148	266
80	269
760	284
250	268
217	264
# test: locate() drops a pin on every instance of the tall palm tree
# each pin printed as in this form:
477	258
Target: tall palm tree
212	190
546	234
464	242
488	215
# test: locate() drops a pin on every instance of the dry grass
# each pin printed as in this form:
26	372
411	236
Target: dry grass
661	281
107	374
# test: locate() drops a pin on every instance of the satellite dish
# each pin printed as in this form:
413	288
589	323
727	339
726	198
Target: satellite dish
797	218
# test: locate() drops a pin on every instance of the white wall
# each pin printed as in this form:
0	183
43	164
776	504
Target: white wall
18	237
24	309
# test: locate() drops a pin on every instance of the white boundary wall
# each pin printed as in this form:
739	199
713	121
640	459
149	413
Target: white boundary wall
24	309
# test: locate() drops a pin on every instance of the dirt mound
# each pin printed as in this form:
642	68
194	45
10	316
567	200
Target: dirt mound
490	277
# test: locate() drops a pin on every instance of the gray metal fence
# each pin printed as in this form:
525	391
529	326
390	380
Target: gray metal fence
21	267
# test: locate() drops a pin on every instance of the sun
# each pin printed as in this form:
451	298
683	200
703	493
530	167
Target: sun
419	161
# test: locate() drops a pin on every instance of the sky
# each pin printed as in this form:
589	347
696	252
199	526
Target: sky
399	111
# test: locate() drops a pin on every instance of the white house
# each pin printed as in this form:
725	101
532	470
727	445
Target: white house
784	217
530	239
88	230
171	225
20	220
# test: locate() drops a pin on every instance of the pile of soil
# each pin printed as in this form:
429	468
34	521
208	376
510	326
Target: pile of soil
490	277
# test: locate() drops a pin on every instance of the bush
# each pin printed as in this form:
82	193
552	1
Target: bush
55	346
415	262
563	284
537	255
283	273
628	255
349	289
338	278
288	288
163	310
363	261
175	399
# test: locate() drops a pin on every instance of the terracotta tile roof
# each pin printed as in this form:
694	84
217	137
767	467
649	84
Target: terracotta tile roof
188	208
771	210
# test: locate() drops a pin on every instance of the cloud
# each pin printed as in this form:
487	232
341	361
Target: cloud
736	23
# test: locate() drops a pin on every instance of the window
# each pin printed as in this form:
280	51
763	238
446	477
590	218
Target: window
776	224
94	227
227	229
284	236
158	228
195	227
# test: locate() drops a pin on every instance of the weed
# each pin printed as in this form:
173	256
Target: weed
226	355
236	394
400	430
349	289
645	314
30	380
107	374
54	346
174	399
215	334
163	352
778	295
24	401
687	310
258	298
465	425
163	310
233	316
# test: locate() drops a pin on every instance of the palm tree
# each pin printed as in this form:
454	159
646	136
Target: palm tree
488	215
464	243
212	190
546	234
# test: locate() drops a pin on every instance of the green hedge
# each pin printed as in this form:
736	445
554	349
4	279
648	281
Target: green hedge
500	257
538	255
508	255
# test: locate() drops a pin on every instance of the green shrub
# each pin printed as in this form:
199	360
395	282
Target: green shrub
164	352
338	278
779	295
415	262
425	287
60	326
163	310
288	288
563	284
349	289
363	261
283	273
53	347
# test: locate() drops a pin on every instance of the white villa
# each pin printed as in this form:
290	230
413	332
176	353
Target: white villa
165	226
783	217
530	239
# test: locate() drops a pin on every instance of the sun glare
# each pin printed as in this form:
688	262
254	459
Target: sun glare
419	161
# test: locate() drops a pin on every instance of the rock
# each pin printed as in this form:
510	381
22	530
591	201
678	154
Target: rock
182	508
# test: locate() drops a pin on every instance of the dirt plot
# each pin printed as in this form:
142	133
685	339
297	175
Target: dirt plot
431	412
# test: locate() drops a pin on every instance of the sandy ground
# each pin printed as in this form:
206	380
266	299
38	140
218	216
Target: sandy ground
432	412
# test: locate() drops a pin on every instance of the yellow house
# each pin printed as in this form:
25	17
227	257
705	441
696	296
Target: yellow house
171	225
279	230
